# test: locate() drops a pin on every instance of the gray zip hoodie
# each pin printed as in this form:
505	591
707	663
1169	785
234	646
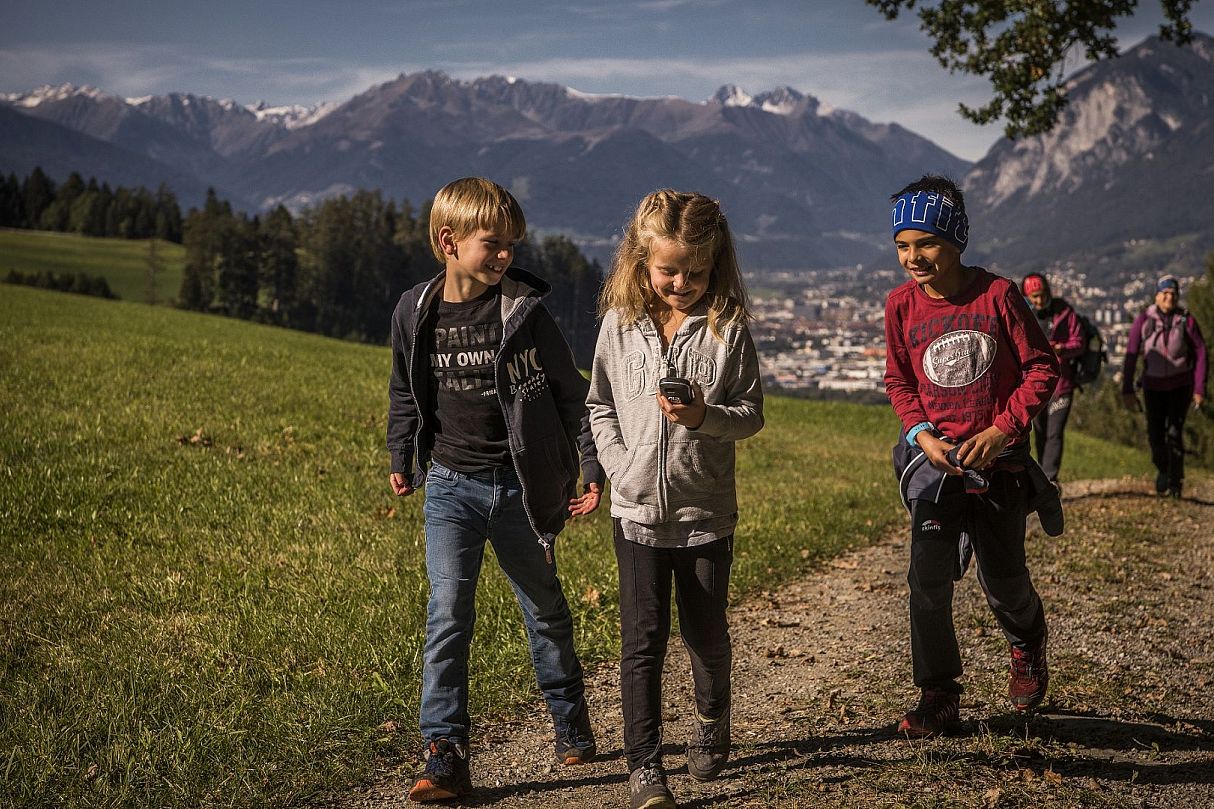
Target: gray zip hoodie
662	472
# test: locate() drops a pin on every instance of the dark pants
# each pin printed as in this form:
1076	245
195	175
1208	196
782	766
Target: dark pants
1166	411
701	583
995	524
1048	428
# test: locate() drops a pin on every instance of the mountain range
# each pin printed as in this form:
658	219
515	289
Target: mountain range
804	185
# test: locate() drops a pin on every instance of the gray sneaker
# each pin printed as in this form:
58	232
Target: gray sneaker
708	749
647	786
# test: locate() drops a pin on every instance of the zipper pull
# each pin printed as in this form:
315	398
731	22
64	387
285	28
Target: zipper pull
547	550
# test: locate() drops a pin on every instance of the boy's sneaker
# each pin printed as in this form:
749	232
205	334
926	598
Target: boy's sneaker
575	740
708	749
446	774
935	714
648	790
1029	676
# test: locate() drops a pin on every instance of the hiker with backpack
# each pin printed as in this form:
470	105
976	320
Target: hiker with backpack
1064	330
1173	354
1173	379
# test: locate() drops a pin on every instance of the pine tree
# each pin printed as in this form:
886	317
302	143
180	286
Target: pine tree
11	213
203	239
37	194
236	268
278	268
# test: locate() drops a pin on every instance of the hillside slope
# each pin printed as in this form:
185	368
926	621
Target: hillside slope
213	599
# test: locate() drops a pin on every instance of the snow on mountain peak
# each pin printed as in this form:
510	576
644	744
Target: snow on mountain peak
47	93
780	101
731	95
291	116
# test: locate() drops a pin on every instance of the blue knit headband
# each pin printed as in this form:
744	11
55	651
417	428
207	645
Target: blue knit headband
933	213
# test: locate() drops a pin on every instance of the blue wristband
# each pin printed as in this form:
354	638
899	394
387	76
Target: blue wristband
913	432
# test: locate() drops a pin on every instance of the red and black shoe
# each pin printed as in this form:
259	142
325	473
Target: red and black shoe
1029	675
937	713
446	774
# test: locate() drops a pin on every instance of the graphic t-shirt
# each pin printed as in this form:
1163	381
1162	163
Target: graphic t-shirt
969	361
470	431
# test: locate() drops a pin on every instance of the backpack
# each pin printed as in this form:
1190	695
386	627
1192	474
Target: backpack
1089	365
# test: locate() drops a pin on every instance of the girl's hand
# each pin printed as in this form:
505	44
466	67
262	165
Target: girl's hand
689	415
588	502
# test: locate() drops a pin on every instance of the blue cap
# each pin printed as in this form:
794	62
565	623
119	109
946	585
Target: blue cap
1168	282
932	213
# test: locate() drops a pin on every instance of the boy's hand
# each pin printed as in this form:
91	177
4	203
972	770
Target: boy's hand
690	415
581	506
400	484
980	451
936	450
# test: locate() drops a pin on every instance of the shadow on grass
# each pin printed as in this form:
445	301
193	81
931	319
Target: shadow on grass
1088	734
1102	733
823	749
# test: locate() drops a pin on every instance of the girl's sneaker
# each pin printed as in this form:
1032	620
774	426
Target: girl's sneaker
446	774
708	750
648	790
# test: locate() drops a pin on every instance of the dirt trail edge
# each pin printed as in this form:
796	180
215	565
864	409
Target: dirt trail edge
822	673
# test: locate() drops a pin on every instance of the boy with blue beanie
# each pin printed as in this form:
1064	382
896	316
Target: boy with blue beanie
967	369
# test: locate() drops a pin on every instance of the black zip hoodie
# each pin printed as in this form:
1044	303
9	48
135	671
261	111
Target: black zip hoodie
541	391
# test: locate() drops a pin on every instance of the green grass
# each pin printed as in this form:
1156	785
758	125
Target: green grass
210	597
1086	457
122	262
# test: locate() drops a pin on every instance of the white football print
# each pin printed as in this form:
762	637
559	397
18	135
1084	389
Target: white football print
958	358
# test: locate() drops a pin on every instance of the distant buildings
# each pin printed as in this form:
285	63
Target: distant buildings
825	332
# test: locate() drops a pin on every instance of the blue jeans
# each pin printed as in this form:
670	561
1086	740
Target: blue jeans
463	510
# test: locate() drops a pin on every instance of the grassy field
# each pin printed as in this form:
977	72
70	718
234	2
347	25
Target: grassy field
122	262
210	597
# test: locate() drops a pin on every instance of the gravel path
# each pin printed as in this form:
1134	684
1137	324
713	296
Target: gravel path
822	673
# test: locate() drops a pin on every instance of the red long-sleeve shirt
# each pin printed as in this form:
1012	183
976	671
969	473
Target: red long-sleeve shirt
969	361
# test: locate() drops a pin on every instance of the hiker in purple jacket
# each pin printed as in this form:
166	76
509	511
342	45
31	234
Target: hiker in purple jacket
1064	331
1173	378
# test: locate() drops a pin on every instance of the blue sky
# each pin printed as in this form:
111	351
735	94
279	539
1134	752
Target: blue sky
308	51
